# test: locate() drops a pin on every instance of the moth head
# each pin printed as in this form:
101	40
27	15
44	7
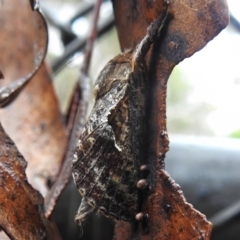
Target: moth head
117	70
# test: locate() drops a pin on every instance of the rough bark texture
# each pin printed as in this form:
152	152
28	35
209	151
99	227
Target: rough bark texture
193	24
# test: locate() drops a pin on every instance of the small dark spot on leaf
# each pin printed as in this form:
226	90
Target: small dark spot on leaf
167	208
12	196
173	48
43	126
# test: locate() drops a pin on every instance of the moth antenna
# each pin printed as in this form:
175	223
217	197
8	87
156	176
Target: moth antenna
153	31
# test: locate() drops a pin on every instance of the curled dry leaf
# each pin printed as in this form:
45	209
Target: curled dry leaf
18	46
33	120
193	25
37	130
21	212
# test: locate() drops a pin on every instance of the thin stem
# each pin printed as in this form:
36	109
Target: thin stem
91	39
79	121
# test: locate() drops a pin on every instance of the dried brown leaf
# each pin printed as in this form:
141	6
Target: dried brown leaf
193	25
170	216
21	212
33	120
34	123
23	39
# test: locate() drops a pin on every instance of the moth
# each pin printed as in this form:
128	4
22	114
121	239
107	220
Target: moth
112	146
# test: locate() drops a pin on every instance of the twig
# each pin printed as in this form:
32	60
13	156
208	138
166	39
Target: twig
67	34
234	21
78	44
72	111
63	177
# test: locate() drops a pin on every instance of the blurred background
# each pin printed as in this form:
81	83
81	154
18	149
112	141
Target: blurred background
202	112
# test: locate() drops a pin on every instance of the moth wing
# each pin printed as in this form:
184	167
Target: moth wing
104	176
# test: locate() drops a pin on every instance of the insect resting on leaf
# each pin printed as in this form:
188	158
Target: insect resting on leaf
112	147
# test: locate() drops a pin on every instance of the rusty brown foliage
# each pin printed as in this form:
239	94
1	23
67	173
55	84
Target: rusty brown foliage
34	123
32	120
28	45
21	212
192	26
38	125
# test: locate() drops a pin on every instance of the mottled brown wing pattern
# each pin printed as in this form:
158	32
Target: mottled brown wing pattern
104	166
113	146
